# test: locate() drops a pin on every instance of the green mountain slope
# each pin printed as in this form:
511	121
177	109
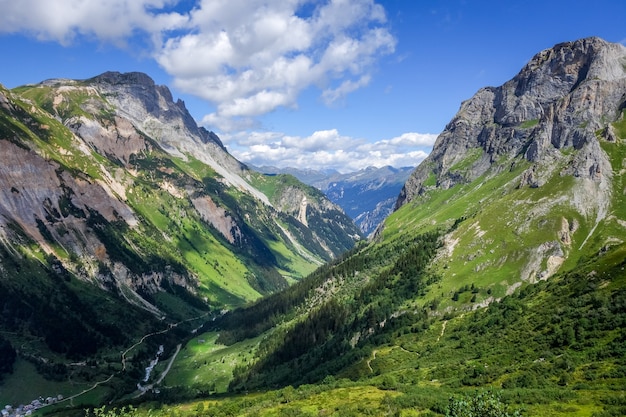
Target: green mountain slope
120	217
502	268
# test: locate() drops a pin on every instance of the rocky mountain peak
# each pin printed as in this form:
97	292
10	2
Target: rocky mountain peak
150	109
144	98
116	77
559	100
555	72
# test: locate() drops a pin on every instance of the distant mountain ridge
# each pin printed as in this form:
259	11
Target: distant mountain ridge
368	196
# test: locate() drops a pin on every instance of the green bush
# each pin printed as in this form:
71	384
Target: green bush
484	404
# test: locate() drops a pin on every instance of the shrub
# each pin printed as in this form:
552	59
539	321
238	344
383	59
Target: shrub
484	404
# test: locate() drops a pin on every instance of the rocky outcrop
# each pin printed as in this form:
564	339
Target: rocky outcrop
327	223
533	162
559	100
218	218
137	95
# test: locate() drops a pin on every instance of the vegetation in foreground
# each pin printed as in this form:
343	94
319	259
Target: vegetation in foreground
530	356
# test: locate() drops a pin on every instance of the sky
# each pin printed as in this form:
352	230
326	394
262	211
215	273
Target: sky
316	84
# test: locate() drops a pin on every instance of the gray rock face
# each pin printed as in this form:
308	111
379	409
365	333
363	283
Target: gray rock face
130	89
559	100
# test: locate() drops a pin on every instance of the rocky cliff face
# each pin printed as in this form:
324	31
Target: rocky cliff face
559	100
528	174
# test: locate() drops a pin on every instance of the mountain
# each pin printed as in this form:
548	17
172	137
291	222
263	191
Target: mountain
533	166
119	216
314	177
368	196
499	276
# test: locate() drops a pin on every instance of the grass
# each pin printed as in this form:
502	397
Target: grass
56	142
194	245
329	400
527	124
294	264
203	362
194	168
503	225
271	185
206	253
25	385
620	126
440	208
340	401
431	181
470	158
228	272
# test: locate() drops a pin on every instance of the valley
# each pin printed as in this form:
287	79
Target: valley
497	283
120	216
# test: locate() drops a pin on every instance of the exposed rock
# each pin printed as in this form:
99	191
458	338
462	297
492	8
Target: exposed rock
218	218
31	189
151	110
564	233
544	131
557	101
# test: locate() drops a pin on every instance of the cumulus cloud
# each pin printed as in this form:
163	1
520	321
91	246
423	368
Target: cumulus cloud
328	149
249	57
112	21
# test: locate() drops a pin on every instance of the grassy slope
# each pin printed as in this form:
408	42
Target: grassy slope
495	246
189	243
521	345
565	360
223	269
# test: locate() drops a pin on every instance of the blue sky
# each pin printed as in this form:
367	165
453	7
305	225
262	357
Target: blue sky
338	84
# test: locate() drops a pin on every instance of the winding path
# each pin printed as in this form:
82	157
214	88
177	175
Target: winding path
443	330
123	362
373	358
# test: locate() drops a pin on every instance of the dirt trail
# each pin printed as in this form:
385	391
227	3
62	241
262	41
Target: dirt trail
369	361
443	330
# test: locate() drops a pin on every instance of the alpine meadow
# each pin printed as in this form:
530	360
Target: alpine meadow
144	271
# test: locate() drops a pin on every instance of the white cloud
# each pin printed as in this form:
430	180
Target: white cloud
332	95
112	21
328	149
246	57
412	139
250	57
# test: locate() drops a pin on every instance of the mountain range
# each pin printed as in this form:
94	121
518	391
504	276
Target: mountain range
496	286
115	204
368	196
501	268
